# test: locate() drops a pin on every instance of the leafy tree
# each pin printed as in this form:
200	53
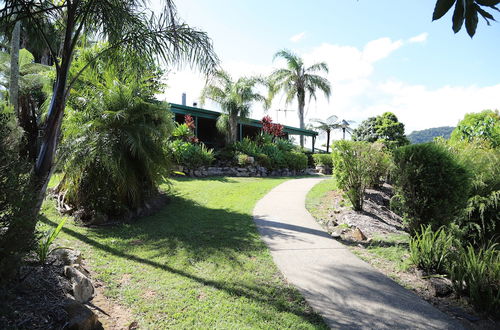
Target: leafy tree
128	26
325	126
465	11
428	135
484	126
297	80
384	128
235	99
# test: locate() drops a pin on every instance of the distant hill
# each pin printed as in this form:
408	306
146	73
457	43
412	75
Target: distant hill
427	135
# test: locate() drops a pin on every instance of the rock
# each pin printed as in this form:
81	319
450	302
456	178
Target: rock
83	290
250	160
335	234
68	257
80	316
442	286
358	235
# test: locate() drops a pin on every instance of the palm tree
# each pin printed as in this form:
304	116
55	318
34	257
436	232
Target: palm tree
325	126
297	80
235	99
344	125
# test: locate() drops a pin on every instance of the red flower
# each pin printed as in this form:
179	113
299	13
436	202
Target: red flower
270	128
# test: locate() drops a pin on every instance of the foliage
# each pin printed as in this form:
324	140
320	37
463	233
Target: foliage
191	155
379	164
465	11
430	250
325	126
44	244
185	131
296	160
297	80
476	273
430	184
484	125
384	128
481	223
268	127
235	99
114	136
428	135
16	195
323	160
354	163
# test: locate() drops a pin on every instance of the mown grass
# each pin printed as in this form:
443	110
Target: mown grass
198	263
315	199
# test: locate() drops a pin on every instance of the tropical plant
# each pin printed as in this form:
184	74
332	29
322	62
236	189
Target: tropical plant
465	10
235	99
344	126
128	26
297	80
484	126
476	273
430	184
268	127
430	250
44	249
190	155
325	126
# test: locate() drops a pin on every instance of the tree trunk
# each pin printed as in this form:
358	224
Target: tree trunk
14	67
233	128
327	141
301	100
343	133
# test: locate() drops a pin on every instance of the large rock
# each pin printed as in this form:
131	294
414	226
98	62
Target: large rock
358	235
83	290
80	316
68	257
442	286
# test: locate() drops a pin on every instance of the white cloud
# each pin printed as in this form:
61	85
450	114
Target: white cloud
422	37
297	37
381	48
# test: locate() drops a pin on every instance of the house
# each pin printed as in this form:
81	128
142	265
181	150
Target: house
206	130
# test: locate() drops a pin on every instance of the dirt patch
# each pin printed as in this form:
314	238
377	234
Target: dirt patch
112	315
377	221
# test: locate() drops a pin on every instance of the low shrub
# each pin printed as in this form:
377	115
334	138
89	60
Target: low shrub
380	163
264	160
243	160
355	163
430	250
430	184
323	160
191	155
296	160
247	147
476	274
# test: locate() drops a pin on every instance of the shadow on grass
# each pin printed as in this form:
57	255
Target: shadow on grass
374	244
202	233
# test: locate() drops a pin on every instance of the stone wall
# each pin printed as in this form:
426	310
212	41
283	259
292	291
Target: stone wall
248	171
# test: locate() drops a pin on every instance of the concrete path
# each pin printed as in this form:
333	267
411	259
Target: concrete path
345	290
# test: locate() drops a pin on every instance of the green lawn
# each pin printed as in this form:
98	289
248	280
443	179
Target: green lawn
198	263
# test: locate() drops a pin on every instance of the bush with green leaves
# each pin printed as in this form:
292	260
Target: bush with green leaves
356	164
430	184
484	126
430	250
476	273
296	160
191	155
323	160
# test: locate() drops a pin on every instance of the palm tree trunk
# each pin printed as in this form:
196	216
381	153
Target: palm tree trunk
327	141
301	100
343	133
14	67
233	128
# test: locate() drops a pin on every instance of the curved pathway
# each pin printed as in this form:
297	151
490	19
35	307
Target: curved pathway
345	290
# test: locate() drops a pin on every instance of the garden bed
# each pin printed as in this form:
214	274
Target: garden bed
385	246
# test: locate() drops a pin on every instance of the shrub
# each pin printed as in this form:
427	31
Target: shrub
476	273
430	184
191	155
264	160
353	162
379	164
247	146
430	250
323	160
243	160
296	160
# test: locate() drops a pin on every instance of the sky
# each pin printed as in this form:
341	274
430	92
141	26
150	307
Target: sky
384	55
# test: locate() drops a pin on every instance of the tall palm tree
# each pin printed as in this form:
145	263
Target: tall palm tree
325	126
235	99
297	80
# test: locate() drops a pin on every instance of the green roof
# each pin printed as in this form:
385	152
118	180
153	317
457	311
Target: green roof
203	113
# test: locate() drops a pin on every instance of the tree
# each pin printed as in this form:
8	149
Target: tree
297	80
465	11
384	128
235	99
325	126
344	126
484	126
127	26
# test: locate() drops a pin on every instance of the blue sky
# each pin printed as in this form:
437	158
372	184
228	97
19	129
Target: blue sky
384	55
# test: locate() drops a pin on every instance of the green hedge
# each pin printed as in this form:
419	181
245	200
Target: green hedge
323	160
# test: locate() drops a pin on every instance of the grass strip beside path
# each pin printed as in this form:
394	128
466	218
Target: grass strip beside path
198	263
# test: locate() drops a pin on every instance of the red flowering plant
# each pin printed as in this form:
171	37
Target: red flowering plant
268	127
185	131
